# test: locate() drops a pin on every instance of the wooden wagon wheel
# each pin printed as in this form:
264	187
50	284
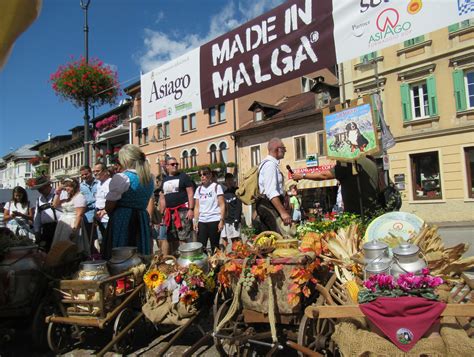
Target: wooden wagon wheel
315	334
123	319
60	337
228	345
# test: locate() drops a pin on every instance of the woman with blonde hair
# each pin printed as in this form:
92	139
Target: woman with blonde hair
129	203
72	202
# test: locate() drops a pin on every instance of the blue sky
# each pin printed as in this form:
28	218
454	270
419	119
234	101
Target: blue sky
130	35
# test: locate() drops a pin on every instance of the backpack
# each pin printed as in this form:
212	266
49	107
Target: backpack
248	190
389	196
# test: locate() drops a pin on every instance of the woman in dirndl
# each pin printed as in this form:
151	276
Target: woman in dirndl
129	203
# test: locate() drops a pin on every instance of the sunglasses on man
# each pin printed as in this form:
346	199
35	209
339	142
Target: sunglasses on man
175	164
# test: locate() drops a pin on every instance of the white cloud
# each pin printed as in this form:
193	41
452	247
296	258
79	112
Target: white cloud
161	47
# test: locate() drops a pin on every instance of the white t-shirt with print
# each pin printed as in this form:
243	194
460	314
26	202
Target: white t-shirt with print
208	205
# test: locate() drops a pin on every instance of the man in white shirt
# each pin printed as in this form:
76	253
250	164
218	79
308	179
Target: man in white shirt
270	209
102	175
46	217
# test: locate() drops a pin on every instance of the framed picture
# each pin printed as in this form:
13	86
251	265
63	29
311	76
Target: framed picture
350	133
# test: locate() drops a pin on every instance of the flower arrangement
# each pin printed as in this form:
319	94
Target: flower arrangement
107	122
78	80
303	282
184	285
31	182
331	224
34	160
407	284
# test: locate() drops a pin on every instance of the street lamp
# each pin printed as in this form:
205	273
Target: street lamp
85	6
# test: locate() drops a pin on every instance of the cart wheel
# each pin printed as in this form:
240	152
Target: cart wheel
315	334
123	319
39	327
60	337
232	329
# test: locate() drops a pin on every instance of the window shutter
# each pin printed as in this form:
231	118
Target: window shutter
453	27
432	99
459	90
406	104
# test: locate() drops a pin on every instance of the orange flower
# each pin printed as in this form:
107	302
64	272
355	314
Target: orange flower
189	297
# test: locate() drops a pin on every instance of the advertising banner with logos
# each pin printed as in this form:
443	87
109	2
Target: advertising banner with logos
294	39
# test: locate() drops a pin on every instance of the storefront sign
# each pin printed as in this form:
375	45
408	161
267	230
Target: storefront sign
312	160
294	39
399	181
307	170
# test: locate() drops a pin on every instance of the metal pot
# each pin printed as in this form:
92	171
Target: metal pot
93	270
21	280
374	250
123	258
406	259
192	253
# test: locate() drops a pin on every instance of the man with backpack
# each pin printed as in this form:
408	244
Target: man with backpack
270	204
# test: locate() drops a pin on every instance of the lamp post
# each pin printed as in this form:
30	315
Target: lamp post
85	6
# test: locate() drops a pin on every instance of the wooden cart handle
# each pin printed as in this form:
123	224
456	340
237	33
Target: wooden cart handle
344	311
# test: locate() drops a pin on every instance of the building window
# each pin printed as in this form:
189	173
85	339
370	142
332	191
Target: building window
426	176
145	135
138	133
419	99
28	167
213	153
212	115
258	115
469	155
300	148
368	57
461	25
255	155
222	113
193	157
321	146
414	41
184	124
223	152
463	89
161	133
82	159
167	129
192	121
185	161
306	84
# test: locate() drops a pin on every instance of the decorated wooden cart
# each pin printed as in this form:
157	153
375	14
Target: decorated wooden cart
86	304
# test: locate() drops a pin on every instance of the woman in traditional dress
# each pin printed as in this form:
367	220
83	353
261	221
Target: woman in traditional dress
71	223
18	214
129	203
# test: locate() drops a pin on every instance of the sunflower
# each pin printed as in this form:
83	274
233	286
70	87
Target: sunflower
154	278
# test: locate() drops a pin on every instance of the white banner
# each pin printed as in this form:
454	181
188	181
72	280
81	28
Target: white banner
172	90
364	26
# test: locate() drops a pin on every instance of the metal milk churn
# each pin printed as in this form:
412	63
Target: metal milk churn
93	270
123	258
406	259
192	253
376	258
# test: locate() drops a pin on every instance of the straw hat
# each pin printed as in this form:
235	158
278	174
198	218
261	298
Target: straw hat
40	182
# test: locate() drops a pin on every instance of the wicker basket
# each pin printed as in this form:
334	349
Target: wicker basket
163	264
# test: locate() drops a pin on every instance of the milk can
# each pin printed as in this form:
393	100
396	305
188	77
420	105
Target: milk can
377	267
192	253
123	258
93	270
375	251
406	259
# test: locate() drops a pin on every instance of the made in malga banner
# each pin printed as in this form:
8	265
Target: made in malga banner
294	39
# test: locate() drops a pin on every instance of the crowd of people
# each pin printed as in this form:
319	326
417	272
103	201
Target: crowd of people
127	206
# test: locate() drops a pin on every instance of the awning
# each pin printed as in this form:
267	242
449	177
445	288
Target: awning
304	184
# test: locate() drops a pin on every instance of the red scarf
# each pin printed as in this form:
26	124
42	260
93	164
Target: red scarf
404	320
174	211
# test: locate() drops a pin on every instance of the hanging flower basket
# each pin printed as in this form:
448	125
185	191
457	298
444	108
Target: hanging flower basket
78	81
34	160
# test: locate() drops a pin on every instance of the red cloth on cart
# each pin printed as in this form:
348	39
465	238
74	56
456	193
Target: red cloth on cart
404	320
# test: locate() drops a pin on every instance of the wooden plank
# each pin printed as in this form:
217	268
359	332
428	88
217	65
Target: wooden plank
344	311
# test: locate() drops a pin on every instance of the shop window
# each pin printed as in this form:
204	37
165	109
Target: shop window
184	160
255	155
414	41
213	153
426	176
463	81
192	121
419	99
193	157
223	152
212	115
184	124
222	113
300	148
469	155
